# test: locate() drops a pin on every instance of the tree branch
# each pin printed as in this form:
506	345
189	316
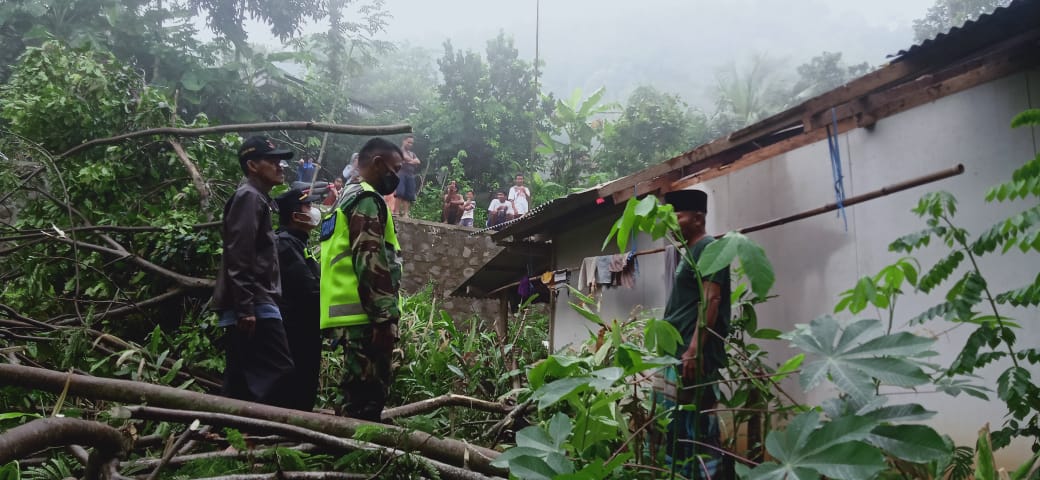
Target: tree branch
293	476
182	459
40	233
450	451
449	400
39	434
180	279
196	177
364	130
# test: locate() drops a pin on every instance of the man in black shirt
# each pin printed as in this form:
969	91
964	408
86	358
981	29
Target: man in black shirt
703	352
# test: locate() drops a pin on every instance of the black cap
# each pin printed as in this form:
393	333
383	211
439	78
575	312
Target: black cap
291	200
259	146
687	200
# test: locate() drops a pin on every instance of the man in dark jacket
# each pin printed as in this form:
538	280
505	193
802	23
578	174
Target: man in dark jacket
248	283
297	216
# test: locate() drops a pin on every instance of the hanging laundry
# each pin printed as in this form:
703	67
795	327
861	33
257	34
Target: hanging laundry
603	272
525	289
587	275
622	270
671	262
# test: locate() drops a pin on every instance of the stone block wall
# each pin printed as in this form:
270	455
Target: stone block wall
446	255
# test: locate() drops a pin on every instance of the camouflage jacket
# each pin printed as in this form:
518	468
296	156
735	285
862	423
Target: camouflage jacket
376	261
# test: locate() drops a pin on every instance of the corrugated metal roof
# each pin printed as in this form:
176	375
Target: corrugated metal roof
1002	22
503	269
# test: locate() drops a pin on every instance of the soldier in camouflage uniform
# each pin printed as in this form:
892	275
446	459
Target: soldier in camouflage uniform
361	278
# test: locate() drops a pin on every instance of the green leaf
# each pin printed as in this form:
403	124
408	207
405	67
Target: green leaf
785	444
553	392
588	314
1027	117
531	468
1022	472
847	460
13	415
913	443
719	254
766	334
985	466
536	438
860	354
560	427
910	412
10	471
789	366
661	337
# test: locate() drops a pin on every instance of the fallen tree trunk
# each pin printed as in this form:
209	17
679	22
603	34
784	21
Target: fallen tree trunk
449	451
24	440
449	472
449	400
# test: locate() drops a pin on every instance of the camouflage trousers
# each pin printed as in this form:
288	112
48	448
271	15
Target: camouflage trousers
368	373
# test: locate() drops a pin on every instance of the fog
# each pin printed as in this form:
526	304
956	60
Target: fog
675	45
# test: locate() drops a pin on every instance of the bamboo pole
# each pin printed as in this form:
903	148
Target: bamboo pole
830	207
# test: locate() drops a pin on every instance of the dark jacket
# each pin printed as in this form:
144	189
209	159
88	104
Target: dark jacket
300	280
249	265
300	308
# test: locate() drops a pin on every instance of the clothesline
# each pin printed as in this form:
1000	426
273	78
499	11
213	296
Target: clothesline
535	277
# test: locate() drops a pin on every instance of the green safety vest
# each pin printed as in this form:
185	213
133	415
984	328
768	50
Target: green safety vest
340	300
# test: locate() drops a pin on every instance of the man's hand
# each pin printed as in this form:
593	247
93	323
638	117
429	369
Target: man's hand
689	365
383	336
247	325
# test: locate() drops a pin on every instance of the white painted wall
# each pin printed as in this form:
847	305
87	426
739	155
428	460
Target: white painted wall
816	259
585	241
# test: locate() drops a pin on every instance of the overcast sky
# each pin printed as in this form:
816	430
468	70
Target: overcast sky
675	45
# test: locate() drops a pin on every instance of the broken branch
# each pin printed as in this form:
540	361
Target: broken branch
449	400
251	127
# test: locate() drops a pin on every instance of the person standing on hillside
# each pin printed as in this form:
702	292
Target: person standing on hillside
500	211
334	189
703	353
248	283
408	188
520	197
361	279
307	170
298	214
469	207
451	211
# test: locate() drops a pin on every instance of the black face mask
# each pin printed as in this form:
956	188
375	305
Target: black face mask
387	183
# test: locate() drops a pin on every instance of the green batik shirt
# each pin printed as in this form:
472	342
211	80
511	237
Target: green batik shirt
376	261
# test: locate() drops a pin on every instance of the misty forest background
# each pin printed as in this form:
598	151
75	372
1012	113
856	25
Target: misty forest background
609	97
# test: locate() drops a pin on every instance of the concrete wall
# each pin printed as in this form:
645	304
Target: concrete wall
816	259
446	255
